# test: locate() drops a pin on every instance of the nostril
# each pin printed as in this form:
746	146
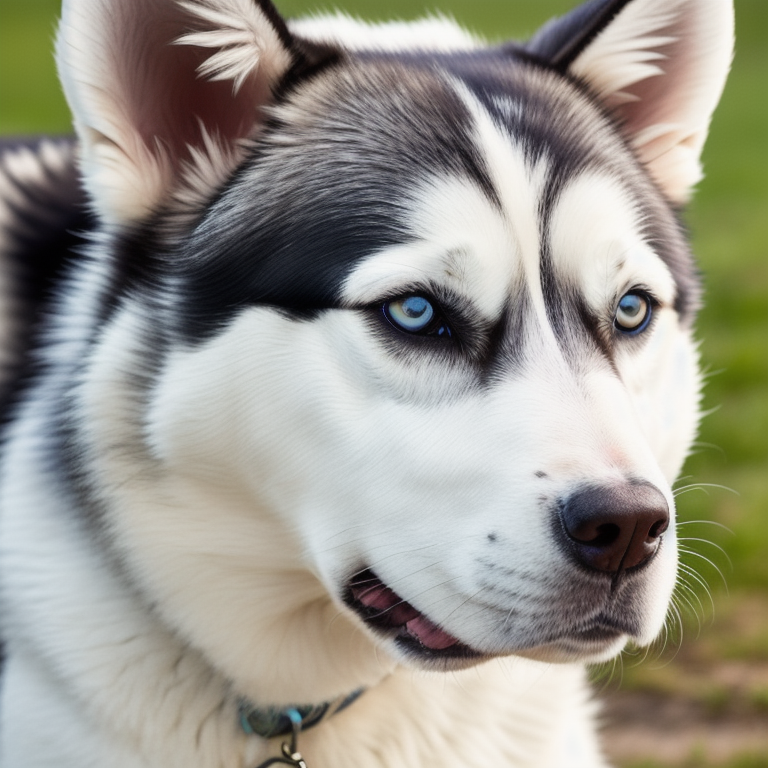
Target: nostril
596	535
615	527
658	528
607	534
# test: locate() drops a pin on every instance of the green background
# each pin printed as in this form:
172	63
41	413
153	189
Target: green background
728	221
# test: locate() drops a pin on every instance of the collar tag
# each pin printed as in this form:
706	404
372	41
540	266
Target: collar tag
290	752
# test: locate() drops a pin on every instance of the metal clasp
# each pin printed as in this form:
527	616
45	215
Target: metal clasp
291	755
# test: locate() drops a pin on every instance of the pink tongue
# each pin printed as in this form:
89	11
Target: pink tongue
401	613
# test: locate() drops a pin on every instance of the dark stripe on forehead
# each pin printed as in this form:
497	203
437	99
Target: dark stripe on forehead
548	119
576	327
540	114
516	340
553	128
508	340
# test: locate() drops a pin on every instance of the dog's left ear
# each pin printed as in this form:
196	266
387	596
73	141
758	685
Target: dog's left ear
658	65
164	92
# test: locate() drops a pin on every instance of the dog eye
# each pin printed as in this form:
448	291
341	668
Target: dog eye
633	312
415	314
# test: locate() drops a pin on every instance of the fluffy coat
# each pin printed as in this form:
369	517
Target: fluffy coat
357	361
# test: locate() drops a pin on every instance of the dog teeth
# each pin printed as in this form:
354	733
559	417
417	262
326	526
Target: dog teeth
375	596
385	604
429	634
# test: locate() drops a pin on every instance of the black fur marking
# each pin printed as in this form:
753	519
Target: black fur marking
277	22
313	59
50	215
568	150
316	198
506	347
561	41
45	243
292	257
573	149
595	327
136	267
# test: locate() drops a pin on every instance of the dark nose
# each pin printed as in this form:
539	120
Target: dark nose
614	527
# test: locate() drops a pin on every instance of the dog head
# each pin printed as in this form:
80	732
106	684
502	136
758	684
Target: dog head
395	363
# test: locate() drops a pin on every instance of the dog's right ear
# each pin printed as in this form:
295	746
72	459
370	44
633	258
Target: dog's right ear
163	93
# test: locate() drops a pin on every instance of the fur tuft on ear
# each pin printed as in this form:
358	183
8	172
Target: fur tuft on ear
153	106
659	65
243	40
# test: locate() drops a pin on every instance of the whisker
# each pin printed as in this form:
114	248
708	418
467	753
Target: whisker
684	586
702	487
685	604
716	546
690	573
694	553
681	523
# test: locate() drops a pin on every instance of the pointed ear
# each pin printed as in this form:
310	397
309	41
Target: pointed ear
163	92
658	65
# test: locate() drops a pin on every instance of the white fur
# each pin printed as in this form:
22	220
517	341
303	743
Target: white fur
223	583
242	38
432	34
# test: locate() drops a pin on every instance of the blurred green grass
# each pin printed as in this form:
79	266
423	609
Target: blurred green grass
728	221
696	761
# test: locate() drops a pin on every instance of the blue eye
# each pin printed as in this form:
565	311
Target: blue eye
633	312
415	314
412	313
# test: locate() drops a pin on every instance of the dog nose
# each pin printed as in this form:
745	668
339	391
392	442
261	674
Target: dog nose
615	527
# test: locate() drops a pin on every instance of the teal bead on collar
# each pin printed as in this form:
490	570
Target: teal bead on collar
273	721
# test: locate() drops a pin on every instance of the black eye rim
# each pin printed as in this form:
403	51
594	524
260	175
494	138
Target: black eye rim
650	305
438	327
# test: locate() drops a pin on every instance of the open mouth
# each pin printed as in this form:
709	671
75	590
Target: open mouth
383	609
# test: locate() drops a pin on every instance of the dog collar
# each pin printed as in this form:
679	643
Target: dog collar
274	721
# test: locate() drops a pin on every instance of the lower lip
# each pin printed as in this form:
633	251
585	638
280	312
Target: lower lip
598	634
459	651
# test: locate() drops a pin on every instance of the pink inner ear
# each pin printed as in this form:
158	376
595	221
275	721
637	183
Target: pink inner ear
666	98
164	96
672	58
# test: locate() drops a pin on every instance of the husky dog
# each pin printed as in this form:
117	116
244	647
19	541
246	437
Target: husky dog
344	397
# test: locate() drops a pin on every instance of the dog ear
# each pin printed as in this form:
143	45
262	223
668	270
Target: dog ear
164	93
658	65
